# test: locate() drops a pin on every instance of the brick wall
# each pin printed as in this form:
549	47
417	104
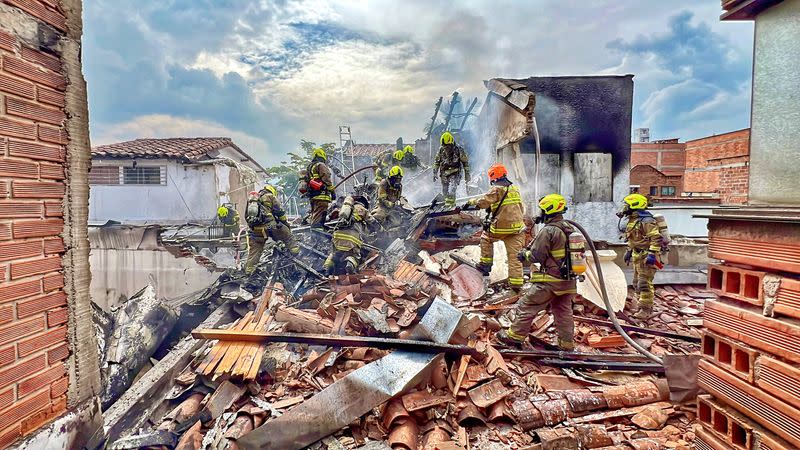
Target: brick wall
646	176
35	352
720	165
666	156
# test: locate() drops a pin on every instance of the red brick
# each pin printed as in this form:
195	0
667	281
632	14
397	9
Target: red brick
34	111
7	42
37	228
54	135
3	272
51	171
15	128
16	168
15	291
37	189
43	59
27	308
6	314
33	73
52	282
7	356
53	209
21	370
59	353
9	435
40	380
51	97
13	210
6	397
35	151
59	387
35	267
5	231
57	317
24	409
20	249
52	246
17	87
36	343
19	329
42	12
3	189
44	416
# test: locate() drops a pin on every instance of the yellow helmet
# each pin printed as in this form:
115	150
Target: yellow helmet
398	155
447	138
396	171
320	153
553	204
636	201
222	211
408	149
271	189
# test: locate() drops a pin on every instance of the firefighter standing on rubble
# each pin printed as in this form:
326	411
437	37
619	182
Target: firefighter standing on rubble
505	223
318	188
390	192
404	158
450	160
347	241
553	284
266	218
644	248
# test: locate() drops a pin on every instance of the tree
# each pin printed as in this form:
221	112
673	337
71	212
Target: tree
286	175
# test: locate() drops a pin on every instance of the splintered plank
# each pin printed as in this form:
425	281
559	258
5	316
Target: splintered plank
223	347
232	353
251	351
249	369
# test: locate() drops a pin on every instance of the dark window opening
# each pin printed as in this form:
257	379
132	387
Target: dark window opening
153	175
667	190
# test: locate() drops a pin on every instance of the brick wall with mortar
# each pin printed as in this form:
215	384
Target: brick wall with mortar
719	164
666	155
646	176
43	143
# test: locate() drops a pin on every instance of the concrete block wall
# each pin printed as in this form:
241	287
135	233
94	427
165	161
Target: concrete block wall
48	358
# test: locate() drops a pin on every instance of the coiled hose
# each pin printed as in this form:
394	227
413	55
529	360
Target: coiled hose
604	293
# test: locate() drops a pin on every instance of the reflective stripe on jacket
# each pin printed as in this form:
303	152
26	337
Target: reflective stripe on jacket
509	219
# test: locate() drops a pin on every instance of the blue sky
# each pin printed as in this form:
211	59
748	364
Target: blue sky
268	73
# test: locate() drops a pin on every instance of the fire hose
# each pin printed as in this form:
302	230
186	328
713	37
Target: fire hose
353	173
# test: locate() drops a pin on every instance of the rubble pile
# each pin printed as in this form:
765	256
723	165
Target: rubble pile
409	361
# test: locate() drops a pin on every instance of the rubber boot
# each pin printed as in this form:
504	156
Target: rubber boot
484	269
644	312
506	339
568	346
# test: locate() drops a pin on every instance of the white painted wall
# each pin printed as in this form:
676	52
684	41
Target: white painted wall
190	195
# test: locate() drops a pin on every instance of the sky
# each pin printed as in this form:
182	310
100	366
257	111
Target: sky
269	73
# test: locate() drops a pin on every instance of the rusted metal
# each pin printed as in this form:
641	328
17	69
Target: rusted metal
467	282
576	356
489	393
640	330
335	341
347	399
603	365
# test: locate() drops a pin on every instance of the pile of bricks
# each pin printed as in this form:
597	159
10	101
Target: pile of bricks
751	341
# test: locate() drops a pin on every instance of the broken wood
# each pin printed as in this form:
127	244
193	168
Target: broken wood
334	341
303	322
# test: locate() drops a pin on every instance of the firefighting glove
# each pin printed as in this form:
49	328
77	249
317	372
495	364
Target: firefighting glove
524	255
627	257
651	259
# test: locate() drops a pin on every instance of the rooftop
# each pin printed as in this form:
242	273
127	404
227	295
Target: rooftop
371	149
188	149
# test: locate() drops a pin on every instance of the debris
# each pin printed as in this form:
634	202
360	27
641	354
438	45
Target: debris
488	394
650	418
610	341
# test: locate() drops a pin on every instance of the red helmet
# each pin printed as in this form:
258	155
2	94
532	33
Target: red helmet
497	171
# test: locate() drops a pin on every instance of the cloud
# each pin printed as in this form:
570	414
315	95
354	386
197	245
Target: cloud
165	126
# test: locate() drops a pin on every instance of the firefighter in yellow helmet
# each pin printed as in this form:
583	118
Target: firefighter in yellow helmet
318	188
451	160
229	219
390	192
553	284
404	158
504	203
347	242
644	250
266	219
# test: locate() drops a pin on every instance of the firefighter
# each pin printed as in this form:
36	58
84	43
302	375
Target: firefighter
319	188
449	163
229	219
505	223
390	191
266	218
345	255
404	158
553	285
644	249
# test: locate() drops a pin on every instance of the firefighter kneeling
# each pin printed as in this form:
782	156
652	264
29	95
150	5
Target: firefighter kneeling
345	255
390	191
554	284
266	218
505	223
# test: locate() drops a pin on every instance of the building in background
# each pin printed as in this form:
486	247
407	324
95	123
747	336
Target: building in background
718	167
169	181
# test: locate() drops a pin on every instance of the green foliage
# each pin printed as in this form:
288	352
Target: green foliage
286	175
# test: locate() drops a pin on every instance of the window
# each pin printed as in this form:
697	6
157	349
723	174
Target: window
104	175
653	190
144	175
667	190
